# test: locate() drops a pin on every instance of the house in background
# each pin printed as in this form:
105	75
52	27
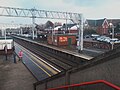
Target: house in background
113	21
74	29
100	26
116	25
67	28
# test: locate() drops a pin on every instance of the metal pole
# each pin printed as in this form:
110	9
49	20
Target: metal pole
112	45
21	32
33	22
54	29
66	28
79	38
52	35
81	44
80	35
36	33
66	24
112	31
112	36
5	35
4	32
67	78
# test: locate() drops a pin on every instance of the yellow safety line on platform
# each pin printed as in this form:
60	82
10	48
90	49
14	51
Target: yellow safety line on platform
34	57
40	60
39	66
53	71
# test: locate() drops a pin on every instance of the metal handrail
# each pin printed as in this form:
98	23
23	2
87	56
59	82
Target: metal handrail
87	83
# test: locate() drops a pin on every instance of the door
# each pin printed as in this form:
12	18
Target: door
69	41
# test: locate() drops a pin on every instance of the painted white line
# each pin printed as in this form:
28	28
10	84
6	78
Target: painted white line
38	66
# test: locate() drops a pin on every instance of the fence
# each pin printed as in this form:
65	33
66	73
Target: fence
109	86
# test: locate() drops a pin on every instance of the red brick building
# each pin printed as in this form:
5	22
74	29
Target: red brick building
61	39
101	26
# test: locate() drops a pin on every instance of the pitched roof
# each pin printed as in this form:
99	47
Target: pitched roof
68	25
56	28
113	21
100	22
91	23
95	23
75	27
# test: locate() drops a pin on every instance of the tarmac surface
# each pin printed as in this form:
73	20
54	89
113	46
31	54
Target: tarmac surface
15	76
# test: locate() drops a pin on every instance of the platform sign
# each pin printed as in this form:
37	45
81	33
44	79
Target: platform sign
8	42
63	39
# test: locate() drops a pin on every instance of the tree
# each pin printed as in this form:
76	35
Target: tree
117	28
89	31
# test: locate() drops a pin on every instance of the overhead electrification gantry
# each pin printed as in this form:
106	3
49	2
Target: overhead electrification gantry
35	13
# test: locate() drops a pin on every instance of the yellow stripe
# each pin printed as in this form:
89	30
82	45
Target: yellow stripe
35	58
40	67
36	63
53	71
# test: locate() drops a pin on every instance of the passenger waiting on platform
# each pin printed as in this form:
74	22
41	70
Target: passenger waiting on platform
13	48
5	49
14	54
20	55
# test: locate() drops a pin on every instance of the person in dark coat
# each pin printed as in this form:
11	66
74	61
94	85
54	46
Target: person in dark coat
5	50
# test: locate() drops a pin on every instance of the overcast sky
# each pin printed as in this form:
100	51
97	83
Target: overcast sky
92	9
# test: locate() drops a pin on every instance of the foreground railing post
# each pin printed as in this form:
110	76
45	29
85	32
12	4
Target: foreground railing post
45	85
67	78
34	86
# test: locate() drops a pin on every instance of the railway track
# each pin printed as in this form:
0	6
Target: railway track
56	61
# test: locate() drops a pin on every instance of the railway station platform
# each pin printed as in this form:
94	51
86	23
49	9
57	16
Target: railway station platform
14	76
93	52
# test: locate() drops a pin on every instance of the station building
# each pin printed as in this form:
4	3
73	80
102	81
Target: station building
62	39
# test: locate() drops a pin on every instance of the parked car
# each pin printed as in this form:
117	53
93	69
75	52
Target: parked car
101	38
104	39
107	39
26	35
114	40
95	36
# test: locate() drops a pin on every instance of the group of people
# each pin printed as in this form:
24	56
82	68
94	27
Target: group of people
20	54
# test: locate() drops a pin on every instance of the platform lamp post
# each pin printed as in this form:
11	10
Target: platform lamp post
5	47
112	26
21	31
4	32
51	29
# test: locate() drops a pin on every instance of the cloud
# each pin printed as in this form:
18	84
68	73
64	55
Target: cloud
90	8
9	3
96	8
86	3
110	9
